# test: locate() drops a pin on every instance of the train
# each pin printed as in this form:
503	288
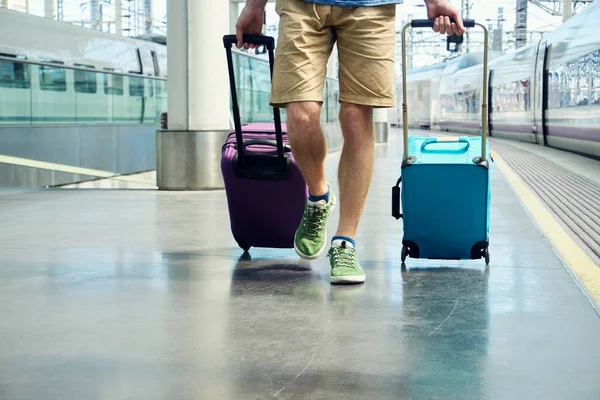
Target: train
546	93
58	73
79	97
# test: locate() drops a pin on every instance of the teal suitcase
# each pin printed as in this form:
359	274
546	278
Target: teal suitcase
445	187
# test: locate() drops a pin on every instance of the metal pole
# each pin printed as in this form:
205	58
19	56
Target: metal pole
463	13
521	24
118	17
94	12
468	13
148	14
411	49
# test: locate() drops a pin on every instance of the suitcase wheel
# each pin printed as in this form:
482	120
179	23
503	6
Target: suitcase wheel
245	246
404	253
486	255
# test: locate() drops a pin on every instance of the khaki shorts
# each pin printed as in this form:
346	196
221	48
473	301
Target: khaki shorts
366	42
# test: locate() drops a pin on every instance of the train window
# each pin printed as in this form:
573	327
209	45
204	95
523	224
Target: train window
150	83
136	86
85	81
583	85
113	84
474	101
553	89
508	97
146	61
156	65
14	75
53	78
525	95
572	81
595	87
558	87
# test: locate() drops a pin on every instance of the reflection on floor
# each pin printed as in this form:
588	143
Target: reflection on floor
111	294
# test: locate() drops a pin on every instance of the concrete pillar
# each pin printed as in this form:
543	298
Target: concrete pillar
49	9
381	125
233	15
189	150
567	9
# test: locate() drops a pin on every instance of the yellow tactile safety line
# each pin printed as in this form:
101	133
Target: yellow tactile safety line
579	263
26	162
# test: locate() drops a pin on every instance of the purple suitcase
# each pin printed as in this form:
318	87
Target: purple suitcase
265	189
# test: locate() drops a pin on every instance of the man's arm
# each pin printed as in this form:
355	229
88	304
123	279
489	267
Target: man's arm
442	11
250	21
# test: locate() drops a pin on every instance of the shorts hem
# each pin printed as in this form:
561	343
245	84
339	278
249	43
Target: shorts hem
368	101
283	101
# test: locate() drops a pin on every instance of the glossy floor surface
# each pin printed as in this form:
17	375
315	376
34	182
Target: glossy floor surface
140	294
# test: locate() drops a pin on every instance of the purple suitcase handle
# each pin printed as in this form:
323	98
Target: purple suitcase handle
266	142
269	42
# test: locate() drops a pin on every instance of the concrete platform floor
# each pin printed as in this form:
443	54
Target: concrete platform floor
140	294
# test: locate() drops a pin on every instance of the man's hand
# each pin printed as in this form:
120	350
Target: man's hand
250	21
442	11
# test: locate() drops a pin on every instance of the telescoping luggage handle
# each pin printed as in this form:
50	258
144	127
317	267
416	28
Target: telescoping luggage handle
269	43
428	23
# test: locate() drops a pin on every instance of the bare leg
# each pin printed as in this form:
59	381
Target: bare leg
356	165
308	143
309	148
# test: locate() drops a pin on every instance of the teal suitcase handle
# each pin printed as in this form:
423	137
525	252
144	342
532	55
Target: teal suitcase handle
433	140
484	117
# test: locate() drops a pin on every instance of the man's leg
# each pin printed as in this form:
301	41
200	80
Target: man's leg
310	148
354	175
356	165
366	44
303	48
308	143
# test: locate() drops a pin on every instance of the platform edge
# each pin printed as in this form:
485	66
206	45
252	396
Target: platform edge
30	163
579	265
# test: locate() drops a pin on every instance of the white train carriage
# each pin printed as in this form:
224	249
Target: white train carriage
511	95
58	73
547	92
423	91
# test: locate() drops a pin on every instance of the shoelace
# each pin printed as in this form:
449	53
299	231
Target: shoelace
343	256
313	220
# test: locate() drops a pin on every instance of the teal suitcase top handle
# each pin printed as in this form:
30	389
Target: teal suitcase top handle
431	149
428	23
460	139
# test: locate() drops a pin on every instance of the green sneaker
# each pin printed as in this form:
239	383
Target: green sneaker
344	264
311	235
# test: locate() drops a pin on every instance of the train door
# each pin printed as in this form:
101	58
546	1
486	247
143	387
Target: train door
540	101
